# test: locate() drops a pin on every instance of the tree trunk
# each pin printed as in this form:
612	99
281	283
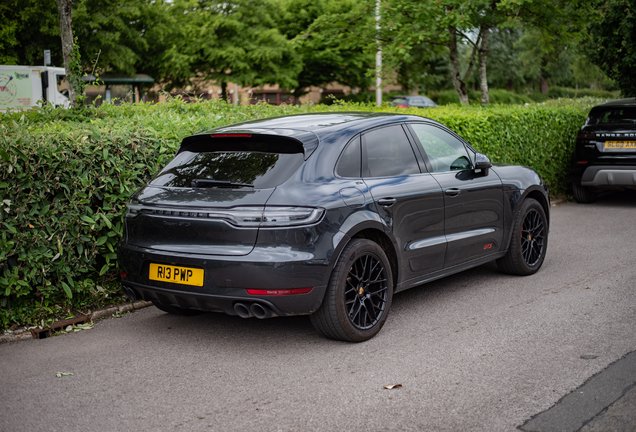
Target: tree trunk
483	56
65	9
460	85
544	77
224	91
544	85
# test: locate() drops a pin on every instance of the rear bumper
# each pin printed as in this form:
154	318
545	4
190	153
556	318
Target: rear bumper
300	304
227	278
624	176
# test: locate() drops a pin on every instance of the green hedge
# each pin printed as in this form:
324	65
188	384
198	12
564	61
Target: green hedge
65	177
495	96
500	96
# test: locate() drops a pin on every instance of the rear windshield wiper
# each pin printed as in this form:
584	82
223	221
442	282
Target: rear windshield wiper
204	183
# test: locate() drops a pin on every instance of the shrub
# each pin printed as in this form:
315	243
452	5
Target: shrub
570	93
496	96
65	177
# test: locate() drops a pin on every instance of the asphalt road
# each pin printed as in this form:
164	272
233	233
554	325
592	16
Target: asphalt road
477	351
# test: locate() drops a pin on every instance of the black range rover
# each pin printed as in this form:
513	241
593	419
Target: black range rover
326	215
605	154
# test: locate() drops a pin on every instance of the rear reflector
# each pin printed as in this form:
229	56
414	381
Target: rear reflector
231	135
279	292
581	162
122	274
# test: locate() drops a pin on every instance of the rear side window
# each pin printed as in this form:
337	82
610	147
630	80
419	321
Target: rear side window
614	115
389	153
399	101
350	160
231	163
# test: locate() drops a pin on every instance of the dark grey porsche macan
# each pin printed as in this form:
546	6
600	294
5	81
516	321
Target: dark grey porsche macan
326	215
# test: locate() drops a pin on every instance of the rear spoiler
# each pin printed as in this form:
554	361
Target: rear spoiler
266	140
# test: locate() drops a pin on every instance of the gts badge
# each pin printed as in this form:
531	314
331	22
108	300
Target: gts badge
180	224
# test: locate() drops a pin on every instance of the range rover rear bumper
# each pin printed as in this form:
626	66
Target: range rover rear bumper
609	176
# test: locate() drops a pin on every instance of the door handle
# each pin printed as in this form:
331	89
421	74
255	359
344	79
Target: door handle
387	202
452	192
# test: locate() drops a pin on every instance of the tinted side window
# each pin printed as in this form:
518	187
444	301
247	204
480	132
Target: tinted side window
389	153
444	151
350	160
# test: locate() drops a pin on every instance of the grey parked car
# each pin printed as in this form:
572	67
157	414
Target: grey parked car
412	101
327	215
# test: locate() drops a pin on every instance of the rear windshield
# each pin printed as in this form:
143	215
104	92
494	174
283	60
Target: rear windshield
257	165
612	115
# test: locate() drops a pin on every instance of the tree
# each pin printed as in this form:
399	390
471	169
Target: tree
505	66
29	27
612	42
552	30
69	51
116	30
329	53
219	41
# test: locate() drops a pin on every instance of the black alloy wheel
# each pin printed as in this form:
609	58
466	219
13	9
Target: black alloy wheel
359	294
532	237
366	292
529	241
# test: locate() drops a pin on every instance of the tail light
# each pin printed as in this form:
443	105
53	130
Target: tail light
264	217
279	292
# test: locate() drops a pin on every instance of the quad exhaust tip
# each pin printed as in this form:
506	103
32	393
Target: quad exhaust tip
260	311
242	310
247	310
129	292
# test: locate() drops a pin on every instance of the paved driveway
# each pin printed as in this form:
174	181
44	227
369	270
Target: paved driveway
477	351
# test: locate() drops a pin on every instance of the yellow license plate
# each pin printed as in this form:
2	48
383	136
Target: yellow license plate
620	145
174	274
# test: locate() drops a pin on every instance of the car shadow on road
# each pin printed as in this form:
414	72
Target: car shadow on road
625	198
296	331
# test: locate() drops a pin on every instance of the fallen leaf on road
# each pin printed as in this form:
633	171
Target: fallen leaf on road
61	374
85	326
389	387
586	288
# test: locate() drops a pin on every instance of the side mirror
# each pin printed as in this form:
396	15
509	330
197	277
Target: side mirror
482	162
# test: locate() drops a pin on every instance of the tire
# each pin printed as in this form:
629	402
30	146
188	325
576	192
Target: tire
583	194
359	294
174	310
529	241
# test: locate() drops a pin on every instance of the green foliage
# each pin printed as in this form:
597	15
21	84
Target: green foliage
497	96
75	75
222	42
329	52
65	176
500	96
612	42
28	27
119	29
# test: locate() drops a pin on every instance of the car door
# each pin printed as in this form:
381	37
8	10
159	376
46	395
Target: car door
409	201
473	199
